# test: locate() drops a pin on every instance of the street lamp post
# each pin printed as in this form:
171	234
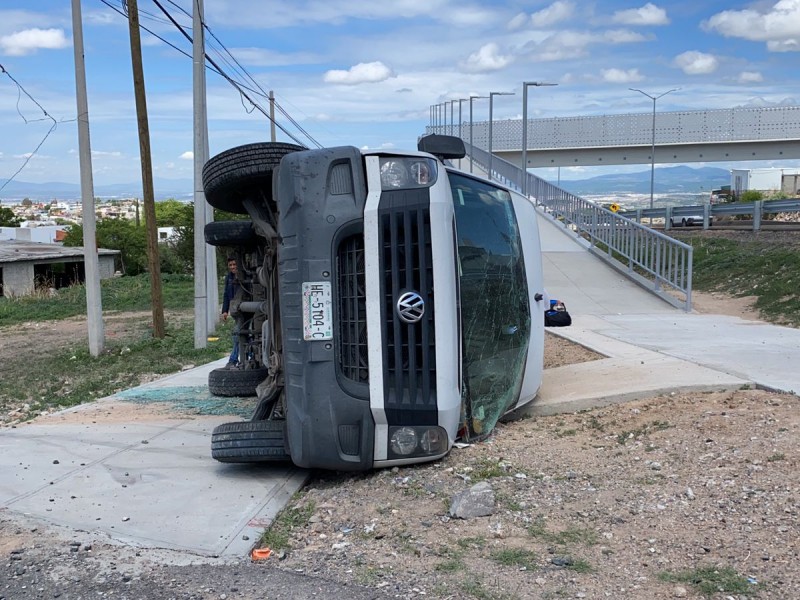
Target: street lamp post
491	118
452	126
471	98
653	146
460	120
525	85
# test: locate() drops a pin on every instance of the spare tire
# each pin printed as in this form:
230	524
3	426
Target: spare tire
243	172
230	233
249	441
236	383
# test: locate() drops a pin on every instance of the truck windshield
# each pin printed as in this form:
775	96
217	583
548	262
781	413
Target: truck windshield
495	309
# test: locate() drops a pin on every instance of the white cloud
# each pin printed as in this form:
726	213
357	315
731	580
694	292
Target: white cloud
518	22
621	76
649	14
487	59
27	41
624	36
696	63
750	77
104	154
373	72
792	45
567	44
188	155
779	25
555	13
262	57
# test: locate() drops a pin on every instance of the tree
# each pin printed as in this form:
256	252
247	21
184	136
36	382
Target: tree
27	203
172	213
8	218
117	234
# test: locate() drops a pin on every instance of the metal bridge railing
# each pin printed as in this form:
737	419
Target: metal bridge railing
654	260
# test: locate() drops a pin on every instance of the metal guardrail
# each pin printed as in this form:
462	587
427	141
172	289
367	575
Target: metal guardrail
656	261
673	214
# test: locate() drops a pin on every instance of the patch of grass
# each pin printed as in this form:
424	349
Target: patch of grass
570	535
487	469
509	501
514	557
573	535
117	294
757	267
289	519
776	457
65	377
451	565
635	434
710	580
580	566
560	433
468	543
594	423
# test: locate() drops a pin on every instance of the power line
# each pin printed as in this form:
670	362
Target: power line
21	90
239	87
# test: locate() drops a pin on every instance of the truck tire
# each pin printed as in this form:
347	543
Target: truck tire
230	233
237	383
249	441
242	172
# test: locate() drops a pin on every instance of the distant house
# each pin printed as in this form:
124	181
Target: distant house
32	232
26	266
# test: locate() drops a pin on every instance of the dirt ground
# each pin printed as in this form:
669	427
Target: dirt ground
628	501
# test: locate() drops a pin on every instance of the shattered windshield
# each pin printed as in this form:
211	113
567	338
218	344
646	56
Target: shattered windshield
495	310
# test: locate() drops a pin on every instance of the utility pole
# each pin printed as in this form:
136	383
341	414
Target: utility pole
147	171
202	288
272	116
94	309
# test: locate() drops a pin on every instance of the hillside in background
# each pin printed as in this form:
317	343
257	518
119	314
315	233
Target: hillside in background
678	179
180	189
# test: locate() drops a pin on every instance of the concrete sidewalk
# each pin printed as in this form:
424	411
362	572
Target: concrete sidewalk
142	478
652	347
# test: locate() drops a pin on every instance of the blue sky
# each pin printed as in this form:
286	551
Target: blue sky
365	73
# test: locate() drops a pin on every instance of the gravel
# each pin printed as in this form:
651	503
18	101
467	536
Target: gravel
648	499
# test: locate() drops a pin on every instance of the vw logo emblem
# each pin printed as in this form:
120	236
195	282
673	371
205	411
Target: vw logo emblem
410	307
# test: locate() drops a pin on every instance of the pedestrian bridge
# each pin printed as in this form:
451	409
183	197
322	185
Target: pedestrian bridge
735	134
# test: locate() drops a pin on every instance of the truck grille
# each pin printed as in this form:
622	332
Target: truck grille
406	265
352	310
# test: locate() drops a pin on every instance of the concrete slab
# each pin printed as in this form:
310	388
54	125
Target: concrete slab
147	483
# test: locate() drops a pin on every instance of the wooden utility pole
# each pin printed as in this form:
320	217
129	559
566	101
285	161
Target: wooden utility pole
147	171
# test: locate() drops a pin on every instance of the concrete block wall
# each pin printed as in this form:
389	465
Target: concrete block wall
18	279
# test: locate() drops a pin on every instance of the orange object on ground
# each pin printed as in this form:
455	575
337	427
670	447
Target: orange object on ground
260	553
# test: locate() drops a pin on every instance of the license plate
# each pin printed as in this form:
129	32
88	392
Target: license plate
317	311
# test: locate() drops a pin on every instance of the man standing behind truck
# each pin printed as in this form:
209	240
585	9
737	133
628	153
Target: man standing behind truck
230	288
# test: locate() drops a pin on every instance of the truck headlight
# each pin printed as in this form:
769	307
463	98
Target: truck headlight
417	441
405	172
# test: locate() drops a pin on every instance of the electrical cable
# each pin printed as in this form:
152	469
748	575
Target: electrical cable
21	90
229	79
249	76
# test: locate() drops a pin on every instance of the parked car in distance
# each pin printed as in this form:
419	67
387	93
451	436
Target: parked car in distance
688	220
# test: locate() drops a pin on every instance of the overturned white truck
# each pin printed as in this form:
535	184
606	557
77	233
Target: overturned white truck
389	303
